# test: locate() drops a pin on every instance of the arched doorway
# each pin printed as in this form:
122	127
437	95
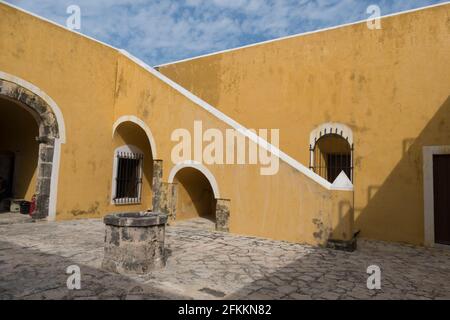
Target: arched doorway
19	152
132	166
198	195
195	195
30	144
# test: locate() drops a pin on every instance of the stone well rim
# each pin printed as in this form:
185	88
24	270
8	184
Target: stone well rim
135	219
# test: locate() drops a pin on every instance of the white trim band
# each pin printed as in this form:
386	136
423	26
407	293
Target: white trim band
298	35
428	191
331	128
215	112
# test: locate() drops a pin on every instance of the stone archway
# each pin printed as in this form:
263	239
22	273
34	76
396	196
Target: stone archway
26	96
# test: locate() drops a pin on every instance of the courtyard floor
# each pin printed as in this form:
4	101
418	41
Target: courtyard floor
203	264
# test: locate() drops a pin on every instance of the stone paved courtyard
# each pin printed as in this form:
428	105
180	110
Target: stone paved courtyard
206	265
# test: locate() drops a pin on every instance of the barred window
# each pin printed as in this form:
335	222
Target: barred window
331	155
128	177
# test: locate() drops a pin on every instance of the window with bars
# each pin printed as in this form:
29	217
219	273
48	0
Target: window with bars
128	177
330	156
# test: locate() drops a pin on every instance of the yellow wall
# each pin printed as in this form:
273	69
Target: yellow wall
391	86
80	77
287	206
94	85
18	130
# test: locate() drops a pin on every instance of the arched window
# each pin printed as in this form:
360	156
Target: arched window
128	172
132	182
331	151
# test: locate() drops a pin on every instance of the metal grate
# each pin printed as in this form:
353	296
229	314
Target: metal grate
128	178
330	165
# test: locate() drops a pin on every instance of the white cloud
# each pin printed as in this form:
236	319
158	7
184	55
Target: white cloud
158	31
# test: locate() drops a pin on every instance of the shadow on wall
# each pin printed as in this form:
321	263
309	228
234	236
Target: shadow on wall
195	195
399	199
337	229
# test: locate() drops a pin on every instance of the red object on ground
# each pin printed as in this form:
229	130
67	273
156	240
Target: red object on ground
33	205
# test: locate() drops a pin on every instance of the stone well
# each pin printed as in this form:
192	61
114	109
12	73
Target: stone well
134	242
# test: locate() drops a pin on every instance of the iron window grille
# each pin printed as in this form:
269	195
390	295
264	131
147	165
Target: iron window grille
128	178
332	164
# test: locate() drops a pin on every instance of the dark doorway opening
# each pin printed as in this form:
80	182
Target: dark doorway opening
19	153
29	129
6	176
195	196
441	187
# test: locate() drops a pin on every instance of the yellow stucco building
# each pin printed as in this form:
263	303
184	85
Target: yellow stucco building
89	129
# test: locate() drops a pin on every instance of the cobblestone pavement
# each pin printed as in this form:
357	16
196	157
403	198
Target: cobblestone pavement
12	218
207	265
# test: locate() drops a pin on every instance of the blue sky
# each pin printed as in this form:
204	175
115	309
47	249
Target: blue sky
159	31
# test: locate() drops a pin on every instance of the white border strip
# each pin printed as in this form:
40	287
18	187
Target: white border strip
199	167
299	35
127	148
232	123
232	49
428	191
244	131
54	180
330	128
55	24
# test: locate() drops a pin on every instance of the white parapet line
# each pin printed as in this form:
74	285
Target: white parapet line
203	104
298	35
232	123
56	24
